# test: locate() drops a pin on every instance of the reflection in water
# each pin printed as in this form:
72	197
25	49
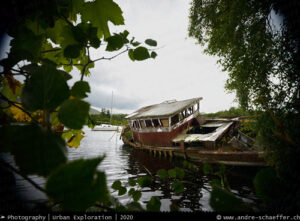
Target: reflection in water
123	162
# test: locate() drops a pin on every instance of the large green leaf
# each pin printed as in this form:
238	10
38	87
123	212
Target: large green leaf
136	194
177	186
116	185
141	53
45	89
162	173
179	173
154	204
222	200
114	42
99	13
74	113
267	185
144	181
134	206
80	88
26	45
35	151
172	173
72	51
78	185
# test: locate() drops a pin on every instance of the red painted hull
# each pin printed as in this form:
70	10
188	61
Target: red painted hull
160	138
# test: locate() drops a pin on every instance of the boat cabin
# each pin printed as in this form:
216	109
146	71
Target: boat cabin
159	124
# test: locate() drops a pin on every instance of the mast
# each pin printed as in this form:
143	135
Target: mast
112	93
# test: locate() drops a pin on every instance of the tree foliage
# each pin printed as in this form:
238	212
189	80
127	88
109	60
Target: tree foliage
257	43
49	39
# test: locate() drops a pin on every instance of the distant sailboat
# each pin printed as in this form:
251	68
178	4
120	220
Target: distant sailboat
107	127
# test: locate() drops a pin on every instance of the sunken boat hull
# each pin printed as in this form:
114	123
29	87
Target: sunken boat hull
199	154
176	128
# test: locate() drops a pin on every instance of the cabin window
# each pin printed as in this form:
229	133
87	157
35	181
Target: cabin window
180	116
134	124
142	123
189	111
137	124
175	119
155	122
196	107
164	122
148	123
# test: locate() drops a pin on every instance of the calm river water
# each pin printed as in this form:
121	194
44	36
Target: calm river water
123	162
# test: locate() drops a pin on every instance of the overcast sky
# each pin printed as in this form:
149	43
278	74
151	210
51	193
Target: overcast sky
180	71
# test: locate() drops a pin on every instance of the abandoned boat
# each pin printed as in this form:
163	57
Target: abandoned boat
176	128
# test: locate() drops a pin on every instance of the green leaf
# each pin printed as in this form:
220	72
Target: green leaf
151	42
215	182
66	75
35	151
72	51
95	43
99	13
130	54
114	42
144	181
267	185
207	169
80	88
122	191
179	173
172	173
131	182
154	204
153	54
116	185
74	113
134	206
135	43
136	195
26	45
141	53
162	173
78	185
177	186
224	201
45	89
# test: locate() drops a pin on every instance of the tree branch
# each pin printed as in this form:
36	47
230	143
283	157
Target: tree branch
14	104
51	50
104	58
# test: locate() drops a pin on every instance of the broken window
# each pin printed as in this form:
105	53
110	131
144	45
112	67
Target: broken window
137	125
148	123
155	123
175	119
196	107
189	111
134	124
181	115
142	123
164	122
